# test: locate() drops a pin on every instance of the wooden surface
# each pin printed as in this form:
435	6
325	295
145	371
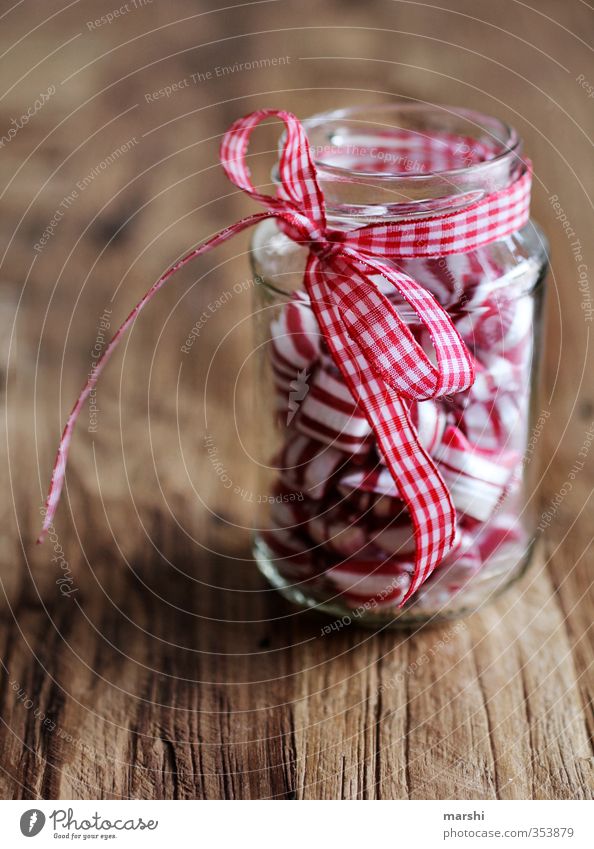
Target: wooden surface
161	666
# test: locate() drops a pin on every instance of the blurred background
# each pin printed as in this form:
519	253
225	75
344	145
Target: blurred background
110	121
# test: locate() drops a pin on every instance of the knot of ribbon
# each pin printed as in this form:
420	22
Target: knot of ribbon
383	365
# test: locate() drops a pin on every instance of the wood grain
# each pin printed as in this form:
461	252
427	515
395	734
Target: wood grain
168	669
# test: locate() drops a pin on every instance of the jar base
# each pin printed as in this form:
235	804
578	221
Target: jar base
495	584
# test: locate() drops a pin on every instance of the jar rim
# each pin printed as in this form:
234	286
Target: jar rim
411	114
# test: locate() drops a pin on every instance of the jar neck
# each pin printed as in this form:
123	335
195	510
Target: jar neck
385	163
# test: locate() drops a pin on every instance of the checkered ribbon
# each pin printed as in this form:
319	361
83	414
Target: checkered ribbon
381	362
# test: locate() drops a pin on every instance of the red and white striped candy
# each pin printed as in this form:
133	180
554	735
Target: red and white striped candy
361	538
476	479
295	333
453	575
375	478
503	533
355	502
480	274
437	275
480	423
361	581
360	494
309	466
396	538
287	537
330	414
506	328
429	418
338	537
385	508
499	375
512	417
489	412
292	515
294	350
291	554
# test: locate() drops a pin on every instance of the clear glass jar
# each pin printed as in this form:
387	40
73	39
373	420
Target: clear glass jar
331	534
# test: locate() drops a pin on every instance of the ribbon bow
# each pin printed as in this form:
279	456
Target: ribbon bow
383	365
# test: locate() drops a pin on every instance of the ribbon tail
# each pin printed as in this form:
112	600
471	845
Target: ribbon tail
59	470
416	476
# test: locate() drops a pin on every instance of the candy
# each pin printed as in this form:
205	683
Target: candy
453	575
331	415
288	544
481	425
398	538
363	581
500	376
385	539
476	478
295	334
493	425
308	466
290	514
505	328
504	532
350	533
336	536
294	350
430	419
376	478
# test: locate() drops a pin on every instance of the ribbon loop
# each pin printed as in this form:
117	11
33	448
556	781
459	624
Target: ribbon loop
298	187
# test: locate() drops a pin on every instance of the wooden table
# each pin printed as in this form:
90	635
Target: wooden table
143	656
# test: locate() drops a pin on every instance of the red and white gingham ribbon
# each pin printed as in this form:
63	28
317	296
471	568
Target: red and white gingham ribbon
383	365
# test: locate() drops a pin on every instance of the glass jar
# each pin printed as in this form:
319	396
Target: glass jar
332	533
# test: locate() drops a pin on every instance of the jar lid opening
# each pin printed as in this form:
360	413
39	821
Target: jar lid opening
406	139
406	159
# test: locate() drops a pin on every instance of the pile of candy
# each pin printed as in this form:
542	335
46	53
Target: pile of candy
338	528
